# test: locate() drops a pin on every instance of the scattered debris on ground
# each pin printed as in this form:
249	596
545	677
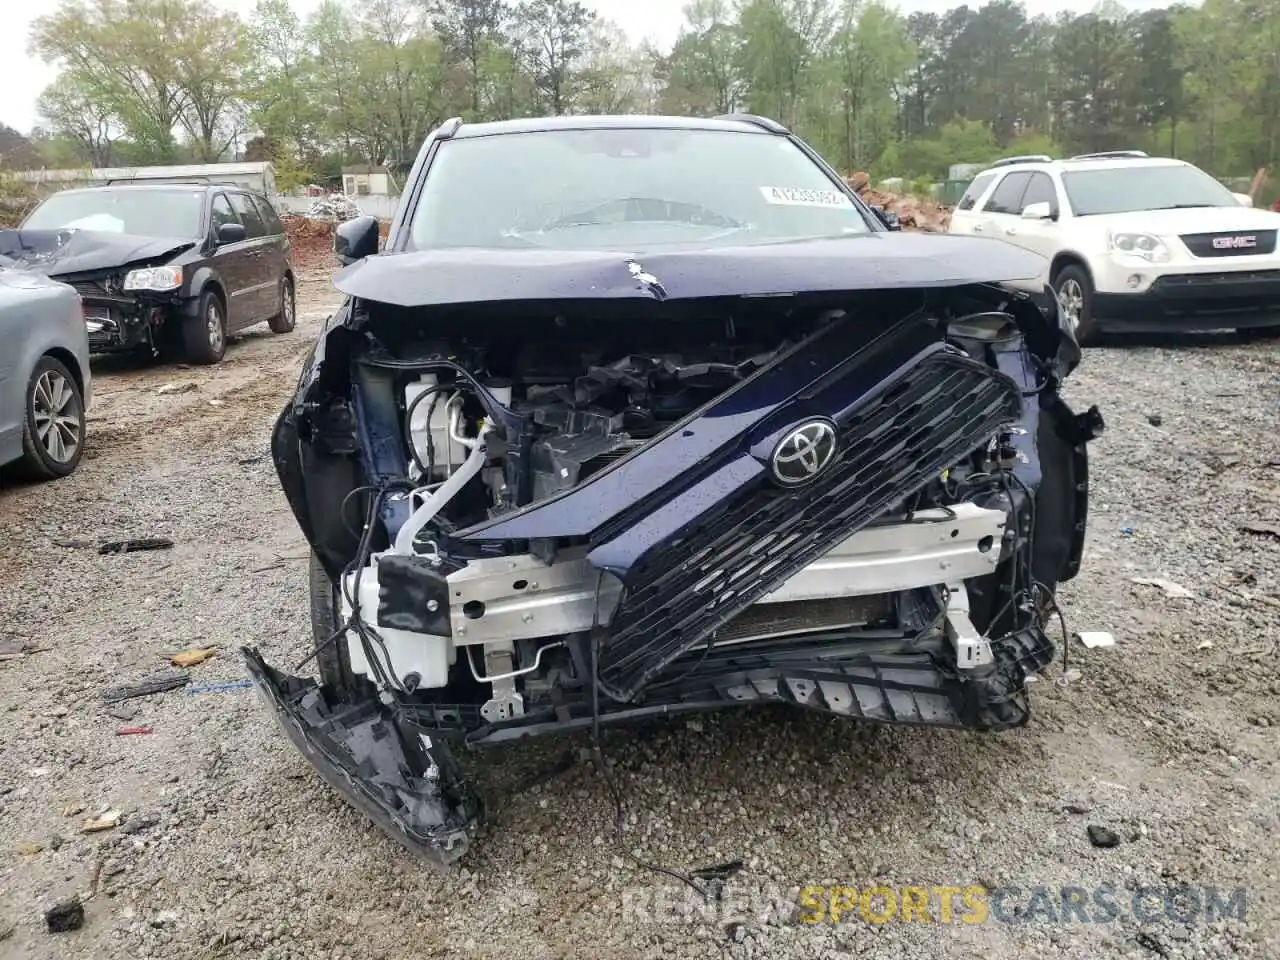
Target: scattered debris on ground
192	657
188	387
145	688
1094	639
335	207
1173	591
106	820
219	687
65	916
1103	837
1262	529
133	546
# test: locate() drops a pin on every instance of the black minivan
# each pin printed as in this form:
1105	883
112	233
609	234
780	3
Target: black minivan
164	267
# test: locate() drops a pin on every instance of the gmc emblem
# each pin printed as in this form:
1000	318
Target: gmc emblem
1234	243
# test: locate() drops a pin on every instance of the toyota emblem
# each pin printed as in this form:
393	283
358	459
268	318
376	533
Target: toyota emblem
804	453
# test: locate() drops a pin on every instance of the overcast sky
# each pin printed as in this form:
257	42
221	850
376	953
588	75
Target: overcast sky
656	20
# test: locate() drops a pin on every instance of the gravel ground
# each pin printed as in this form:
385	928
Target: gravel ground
231	846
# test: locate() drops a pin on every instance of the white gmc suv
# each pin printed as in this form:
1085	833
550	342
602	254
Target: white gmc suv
1134	243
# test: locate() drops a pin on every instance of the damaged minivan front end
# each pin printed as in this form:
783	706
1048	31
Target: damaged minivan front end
557	489
126	284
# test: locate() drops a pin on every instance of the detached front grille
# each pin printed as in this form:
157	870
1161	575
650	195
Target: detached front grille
927	418
101	340
90	288
107	334
1231	243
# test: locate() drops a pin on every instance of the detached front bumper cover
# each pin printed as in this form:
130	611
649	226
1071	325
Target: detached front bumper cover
403	778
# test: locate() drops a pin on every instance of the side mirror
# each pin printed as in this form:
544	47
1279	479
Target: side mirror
887	217
1037	211
1243	199
230	233
356	239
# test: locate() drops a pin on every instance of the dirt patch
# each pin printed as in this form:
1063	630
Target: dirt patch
312	242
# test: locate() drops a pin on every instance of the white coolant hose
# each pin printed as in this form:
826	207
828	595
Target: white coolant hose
446	491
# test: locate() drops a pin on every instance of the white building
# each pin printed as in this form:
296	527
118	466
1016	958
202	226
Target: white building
366	179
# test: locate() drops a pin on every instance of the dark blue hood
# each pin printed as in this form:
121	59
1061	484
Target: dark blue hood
880	260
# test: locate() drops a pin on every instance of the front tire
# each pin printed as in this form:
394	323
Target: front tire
54	425
326	618
1075	290
287	318
204	334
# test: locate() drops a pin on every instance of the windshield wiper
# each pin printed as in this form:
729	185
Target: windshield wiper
1185	206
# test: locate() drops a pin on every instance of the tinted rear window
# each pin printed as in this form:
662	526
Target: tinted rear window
1008	194
248	214
268	214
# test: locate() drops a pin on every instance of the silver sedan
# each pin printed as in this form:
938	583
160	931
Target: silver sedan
44	375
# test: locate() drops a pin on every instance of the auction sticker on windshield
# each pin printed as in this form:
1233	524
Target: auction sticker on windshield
803	197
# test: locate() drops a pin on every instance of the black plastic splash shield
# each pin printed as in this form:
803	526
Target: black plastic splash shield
407	783
840	674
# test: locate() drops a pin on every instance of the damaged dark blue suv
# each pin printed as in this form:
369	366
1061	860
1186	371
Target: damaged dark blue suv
637	416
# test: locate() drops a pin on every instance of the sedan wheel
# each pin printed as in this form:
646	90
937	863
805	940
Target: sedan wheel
53	434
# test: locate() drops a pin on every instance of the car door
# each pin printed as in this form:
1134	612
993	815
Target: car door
259	296
966	216
231	261
276	247
1042	236
1003	208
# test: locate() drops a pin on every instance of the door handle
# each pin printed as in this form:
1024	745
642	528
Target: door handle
1011	231
977	228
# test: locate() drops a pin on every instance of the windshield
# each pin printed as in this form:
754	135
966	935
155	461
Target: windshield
1126	189
146	213
601	189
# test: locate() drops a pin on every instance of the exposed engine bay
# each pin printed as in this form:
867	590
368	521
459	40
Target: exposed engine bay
478	426
543	519
582	409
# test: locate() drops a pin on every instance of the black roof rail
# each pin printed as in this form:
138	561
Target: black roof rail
764	123
1112	155
1028	158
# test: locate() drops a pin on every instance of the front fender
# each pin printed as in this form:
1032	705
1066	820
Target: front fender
199	282
314	461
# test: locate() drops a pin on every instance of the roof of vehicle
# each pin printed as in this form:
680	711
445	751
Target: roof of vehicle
738	123
1091	161
157	186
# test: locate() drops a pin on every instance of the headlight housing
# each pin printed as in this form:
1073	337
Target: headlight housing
1144	245
154	278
